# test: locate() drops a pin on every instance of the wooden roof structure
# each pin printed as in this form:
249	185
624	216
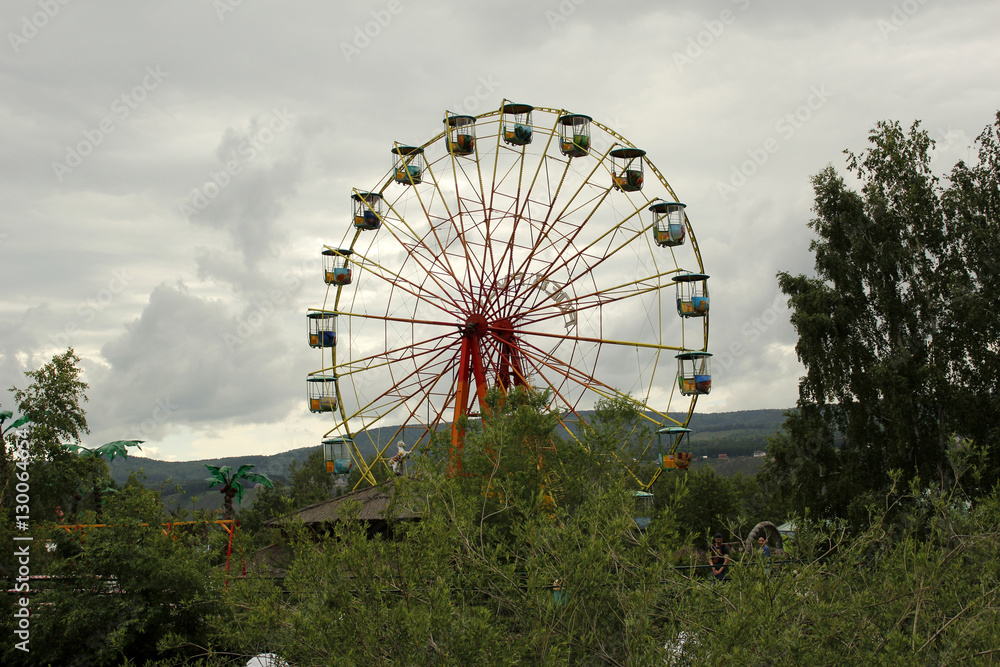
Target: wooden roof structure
373	505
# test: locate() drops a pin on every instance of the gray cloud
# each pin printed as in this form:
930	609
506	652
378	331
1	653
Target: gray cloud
193	282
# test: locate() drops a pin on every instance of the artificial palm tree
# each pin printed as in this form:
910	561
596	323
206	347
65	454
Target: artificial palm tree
109	449
232	483
16	424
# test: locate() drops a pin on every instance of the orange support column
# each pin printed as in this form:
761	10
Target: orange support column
470	368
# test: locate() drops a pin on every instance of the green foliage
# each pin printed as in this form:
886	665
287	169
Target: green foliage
269	503
52	403
531	556
706	503
51	415
898	328
310	482
489	576
114	592
99	471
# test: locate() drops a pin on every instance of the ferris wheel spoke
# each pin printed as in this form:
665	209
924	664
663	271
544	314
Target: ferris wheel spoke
449	219
540	360
586	181
539	229
456	167
414	351
413	382
596	299
523	333
589	268
542	164
545	225
396	279
562	260
600	257
425	264
513	208
407	399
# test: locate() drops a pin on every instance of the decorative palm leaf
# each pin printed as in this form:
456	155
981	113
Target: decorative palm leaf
109	449
18	423
117	448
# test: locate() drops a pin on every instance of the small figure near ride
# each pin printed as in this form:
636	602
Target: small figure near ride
719	555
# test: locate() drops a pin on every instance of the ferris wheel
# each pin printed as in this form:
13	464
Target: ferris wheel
524	247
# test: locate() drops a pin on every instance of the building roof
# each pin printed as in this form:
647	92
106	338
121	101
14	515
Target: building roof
371	504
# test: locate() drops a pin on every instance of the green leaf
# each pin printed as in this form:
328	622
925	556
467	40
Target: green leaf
243	470
239	492
258	478
117	448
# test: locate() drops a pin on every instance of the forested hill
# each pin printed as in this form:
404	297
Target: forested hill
733	433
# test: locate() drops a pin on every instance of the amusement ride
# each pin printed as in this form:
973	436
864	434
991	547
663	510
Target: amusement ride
523	247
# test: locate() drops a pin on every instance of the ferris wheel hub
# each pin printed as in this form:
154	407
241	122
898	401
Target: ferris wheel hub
476	324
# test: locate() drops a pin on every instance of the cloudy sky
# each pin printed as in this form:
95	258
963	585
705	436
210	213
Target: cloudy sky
190	321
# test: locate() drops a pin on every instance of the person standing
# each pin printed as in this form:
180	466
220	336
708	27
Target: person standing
764	549
765	552
720	559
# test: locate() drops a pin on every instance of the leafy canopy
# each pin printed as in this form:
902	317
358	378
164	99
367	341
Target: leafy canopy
898	327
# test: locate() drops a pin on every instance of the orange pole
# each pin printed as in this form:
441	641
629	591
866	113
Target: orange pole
461	406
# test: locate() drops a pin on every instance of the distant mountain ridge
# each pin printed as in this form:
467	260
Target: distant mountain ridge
737	433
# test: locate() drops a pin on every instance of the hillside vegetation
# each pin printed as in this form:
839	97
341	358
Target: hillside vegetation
737	434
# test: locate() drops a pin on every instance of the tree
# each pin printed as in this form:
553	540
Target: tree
118	594
310	482
232	483
52	403
708	502
898	329
95	457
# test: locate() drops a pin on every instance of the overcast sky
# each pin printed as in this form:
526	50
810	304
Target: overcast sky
114	114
